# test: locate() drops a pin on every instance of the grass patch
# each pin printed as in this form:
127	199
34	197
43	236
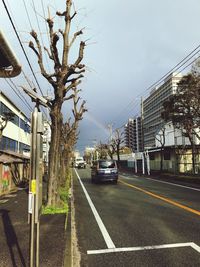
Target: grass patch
55	210
62	206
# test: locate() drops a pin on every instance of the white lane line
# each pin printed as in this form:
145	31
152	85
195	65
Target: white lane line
164	182
10	195
194	246
113	250
102	227
3	201
192	188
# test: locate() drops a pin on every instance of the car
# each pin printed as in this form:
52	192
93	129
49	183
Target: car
80	163
104	170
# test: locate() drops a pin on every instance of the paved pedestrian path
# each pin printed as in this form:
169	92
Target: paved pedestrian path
14	234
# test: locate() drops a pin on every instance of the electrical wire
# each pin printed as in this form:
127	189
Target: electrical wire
27	14
186	59
15	30
40	32
19	95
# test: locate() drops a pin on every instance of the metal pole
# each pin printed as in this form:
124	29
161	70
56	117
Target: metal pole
143	168
32	185
38	244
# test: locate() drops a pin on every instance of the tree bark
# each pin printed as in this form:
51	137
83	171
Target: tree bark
56	117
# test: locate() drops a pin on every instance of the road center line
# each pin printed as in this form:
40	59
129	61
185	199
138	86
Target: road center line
102	227
162	198
113	250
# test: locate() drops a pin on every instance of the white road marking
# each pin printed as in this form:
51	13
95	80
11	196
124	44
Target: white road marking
192	188
114	250
164	182
102	227
3	201
10	195
194	246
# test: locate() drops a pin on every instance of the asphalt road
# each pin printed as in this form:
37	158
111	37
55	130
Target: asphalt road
138	222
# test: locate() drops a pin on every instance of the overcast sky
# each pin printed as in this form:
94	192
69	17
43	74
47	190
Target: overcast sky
130	45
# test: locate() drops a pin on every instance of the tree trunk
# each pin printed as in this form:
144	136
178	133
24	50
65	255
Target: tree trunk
190	136
161	159
54	159
118	154
193	157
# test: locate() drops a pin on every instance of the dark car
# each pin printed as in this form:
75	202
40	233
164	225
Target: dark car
104	170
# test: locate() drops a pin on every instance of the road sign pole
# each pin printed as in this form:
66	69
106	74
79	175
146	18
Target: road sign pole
35	186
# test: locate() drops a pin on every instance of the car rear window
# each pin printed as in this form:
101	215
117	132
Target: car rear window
107	164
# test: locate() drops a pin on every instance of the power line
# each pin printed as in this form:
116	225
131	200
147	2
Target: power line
21	46
19	95
193	53
27	14
38	24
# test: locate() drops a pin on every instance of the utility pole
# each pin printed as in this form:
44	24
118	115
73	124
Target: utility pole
35	185
35	182
110	128
142	122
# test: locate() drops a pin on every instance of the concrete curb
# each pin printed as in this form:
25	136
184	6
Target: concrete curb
71	254
67	261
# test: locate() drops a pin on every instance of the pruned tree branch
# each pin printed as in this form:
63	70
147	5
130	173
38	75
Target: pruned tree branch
39	55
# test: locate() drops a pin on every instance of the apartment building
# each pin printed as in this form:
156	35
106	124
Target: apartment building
153	106
16	135
133	134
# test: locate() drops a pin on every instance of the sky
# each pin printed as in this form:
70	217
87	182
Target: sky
130	45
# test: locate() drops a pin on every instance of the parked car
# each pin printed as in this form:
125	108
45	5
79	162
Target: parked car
80	163
104	170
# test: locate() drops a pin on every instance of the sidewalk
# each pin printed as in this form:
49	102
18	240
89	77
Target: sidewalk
14	234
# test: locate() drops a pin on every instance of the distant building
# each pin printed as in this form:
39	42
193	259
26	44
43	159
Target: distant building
153	106
133	134
16	135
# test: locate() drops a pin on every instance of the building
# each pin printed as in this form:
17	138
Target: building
153	106
133	134
14	146
16	135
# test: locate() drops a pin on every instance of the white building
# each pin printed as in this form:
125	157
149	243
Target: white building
133	134
153	106
16	135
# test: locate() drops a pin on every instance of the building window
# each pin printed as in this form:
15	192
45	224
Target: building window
8	144
4	109
151	156
24	125
167	155
23	147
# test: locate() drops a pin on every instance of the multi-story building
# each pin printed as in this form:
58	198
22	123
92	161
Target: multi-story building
14	146
133	134
153	106
16	135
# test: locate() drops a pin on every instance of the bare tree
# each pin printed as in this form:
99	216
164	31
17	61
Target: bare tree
116	142
65	77
102	150
70	134
183	110
160	137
